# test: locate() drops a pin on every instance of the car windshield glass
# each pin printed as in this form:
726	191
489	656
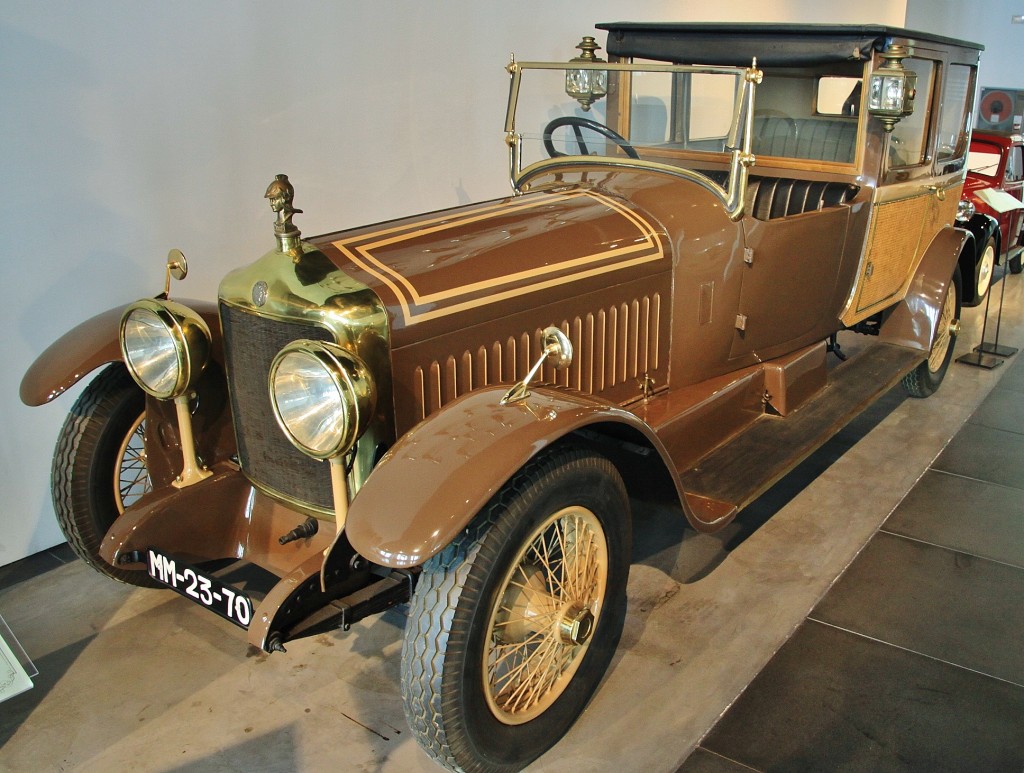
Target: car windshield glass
668	115
983	159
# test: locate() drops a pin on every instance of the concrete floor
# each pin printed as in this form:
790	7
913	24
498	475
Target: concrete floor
144	680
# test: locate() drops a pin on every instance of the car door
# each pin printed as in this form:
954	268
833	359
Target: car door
922	177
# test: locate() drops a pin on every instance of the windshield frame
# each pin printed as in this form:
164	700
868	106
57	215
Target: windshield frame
738	141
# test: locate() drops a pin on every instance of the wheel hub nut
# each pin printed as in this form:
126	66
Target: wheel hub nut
576	625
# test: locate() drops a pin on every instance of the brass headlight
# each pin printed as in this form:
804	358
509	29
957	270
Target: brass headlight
323	397
165	345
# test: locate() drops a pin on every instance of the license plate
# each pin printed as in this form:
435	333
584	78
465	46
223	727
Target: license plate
197	585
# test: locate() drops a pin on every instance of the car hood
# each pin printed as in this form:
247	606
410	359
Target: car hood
472	264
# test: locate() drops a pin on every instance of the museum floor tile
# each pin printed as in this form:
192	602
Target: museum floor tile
913	659
864	614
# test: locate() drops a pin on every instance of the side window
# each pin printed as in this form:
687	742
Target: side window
1014	165
957	91
907	140
838	96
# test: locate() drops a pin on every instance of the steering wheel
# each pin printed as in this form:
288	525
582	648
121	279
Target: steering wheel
578	123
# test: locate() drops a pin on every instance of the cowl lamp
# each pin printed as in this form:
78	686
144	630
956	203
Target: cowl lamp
892	88
586	86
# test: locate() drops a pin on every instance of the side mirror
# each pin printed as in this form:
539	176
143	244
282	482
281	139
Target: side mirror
177	267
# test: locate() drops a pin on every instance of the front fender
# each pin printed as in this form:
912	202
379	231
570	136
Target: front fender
86	347
913	321
983	227
441	473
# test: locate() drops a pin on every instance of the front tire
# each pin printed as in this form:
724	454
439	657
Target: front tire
512	626
923	380
99	466
983	273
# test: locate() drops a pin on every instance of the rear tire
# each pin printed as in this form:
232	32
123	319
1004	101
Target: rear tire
1015	265
512	626
923	380
99	467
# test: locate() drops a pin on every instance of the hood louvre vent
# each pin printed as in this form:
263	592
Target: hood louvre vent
615	347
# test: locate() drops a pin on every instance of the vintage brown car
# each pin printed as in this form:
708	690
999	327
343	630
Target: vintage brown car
454	409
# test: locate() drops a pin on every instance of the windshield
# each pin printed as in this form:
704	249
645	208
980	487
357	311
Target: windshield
983	158
690	121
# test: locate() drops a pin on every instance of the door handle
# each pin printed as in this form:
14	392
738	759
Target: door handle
938	190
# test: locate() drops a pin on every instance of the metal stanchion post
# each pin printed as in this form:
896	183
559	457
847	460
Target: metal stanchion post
980	356
995	348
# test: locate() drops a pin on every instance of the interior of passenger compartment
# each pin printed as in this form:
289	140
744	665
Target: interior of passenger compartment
820	139
772	197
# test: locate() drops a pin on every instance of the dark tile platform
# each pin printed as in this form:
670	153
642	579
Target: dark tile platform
35	565
833	700
985	453
973	516
942	603
703	761
1002	409
914	660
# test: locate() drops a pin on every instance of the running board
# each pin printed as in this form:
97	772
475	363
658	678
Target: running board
735	473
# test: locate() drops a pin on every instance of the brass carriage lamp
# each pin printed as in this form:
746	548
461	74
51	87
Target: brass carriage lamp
892	88
586	86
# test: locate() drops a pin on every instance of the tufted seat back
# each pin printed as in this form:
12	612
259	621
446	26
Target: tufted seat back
820	139
772	197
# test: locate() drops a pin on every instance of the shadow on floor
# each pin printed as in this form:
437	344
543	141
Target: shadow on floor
663	540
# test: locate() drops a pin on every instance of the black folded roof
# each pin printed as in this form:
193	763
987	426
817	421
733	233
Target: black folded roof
774	45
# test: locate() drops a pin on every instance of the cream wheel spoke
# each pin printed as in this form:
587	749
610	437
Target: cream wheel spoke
518	652
538	673
542	625
131	469
511	651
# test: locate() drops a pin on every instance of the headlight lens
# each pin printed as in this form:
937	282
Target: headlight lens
323	397
165	345
965	210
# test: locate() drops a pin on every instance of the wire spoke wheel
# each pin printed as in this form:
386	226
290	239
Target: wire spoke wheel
944	333
512	626
542	625
131	467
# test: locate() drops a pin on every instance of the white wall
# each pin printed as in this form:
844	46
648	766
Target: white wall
132	127
984	21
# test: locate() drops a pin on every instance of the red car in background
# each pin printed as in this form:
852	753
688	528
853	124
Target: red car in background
995	178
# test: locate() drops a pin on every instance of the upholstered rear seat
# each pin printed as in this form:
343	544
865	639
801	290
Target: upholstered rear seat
821	139
772	197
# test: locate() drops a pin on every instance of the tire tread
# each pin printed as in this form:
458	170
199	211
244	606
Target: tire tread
81	436
432	623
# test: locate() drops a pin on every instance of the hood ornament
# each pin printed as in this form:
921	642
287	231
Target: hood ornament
280	192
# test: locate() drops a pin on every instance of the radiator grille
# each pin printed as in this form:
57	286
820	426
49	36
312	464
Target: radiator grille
611	346
265	454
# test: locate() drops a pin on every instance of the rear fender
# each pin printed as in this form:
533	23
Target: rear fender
439	475
912	323
88	346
